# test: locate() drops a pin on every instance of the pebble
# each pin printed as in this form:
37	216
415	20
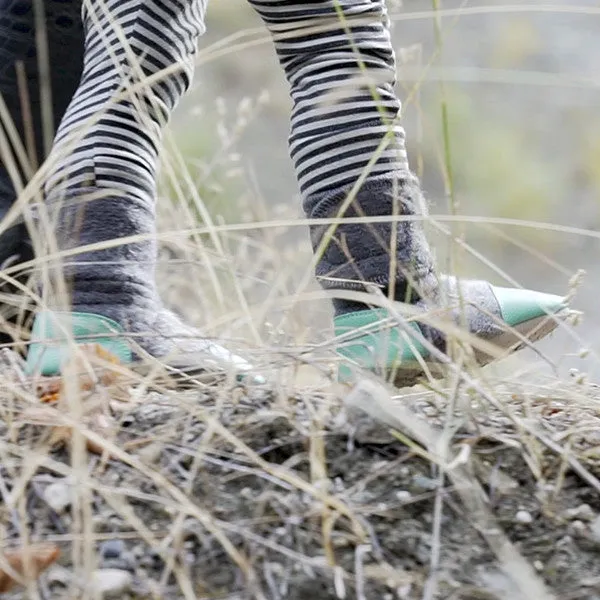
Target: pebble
58	496
425	483
577	526
151	453
246	493
112	549
111	583
150	560
403	495
595	529
583	512
58	574
524	517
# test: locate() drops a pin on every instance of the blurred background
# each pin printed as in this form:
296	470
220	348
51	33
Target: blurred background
520	85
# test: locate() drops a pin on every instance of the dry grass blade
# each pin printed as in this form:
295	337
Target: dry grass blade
220	503
375	401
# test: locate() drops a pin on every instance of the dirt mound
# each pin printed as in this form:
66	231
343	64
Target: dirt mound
220	493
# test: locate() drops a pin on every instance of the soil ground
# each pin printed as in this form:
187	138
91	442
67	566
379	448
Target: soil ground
264	493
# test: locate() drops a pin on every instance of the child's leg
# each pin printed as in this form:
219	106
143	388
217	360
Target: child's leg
18	44
340	64
339	61
108	144
109	141
101	187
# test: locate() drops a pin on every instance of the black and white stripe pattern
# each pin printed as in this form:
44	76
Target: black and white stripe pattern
341	71
110	135
338	58
339	61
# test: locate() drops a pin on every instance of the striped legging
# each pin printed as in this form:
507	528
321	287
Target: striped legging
138	60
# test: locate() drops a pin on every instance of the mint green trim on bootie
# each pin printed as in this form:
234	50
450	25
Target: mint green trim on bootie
376	345
368	342
53	332
519	306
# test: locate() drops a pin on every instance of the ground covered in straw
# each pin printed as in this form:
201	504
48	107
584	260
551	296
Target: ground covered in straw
283	493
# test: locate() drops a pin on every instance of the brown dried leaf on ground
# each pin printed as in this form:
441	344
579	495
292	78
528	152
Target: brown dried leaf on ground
50	389
97	422
28	561
94	389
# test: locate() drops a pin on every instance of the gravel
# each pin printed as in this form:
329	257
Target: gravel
231	506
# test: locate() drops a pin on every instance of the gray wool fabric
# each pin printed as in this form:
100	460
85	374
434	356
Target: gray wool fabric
361	252
468	302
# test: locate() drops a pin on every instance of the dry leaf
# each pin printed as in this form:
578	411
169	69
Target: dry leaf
98	423
60	435
30	561
49	388
105	426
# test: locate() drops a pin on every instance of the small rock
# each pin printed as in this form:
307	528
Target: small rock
403	495
246	492
151	560
577	526
583	512
57	496
111	583
422	483
523	517
538	565
595	529
58	574
403	592
112	549
151	453
340	542
404	472
125	562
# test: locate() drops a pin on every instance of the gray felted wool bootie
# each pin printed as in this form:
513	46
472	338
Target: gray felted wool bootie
388	249
100	188
393	255
112	297
505	319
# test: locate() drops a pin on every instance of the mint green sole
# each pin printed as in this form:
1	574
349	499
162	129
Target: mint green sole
366	343
369	341
54	333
